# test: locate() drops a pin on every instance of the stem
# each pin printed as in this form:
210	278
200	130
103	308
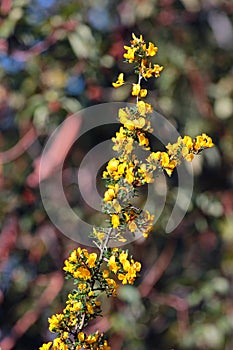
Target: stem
104	244
139	82
82	322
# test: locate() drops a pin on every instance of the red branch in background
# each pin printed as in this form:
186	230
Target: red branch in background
21	146
57	33
57	152
177	303
198	85
157	269
54	283
5	7
152	277
8	238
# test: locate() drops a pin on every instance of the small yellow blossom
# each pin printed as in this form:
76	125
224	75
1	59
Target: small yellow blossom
122	278
187	140
112	165
130	54
136	89
58	344
130	175
115	220
116	205
109	195
92	260
152	50
202	141
119	82
46	346
92	338
123	256
112	264
82	273
143	140
136	40
90	309
132	226
143	93
81	336
105	274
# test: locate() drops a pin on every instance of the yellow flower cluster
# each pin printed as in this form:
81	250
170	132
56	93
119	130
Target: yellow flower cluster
80	264
123	266
138	54
93	341
90	341
184	148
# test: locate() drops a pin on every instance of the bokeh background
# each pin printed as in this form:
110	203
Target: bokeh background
57	57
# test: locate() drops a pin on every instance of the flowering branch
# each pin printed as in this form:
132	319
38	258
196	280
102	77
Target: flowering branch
93	274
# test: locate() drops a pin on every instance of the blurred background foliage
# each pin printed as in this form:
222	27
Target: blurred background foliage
57	57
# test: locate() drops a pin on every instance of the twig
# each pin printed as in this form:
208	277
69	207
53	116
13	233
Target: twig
157	270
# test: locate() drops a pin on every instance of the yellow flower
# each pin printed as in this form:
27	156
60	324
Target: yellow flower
123	116
136	40
100	235
137	265
119	82
152	50
112	285
157	70
46	346
55	322
81	336
186	155
58	344
142	108
92	338
126	265
112	264
112	165
130	54
170	167
130	175
121	168
105	346
90	308
74	306
187	140
122	278
123	257
202	141
109	195
136	89
105	274
164	159
132	226
143	141
115	220
117	206
143	93
91	260
147	73
82	273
